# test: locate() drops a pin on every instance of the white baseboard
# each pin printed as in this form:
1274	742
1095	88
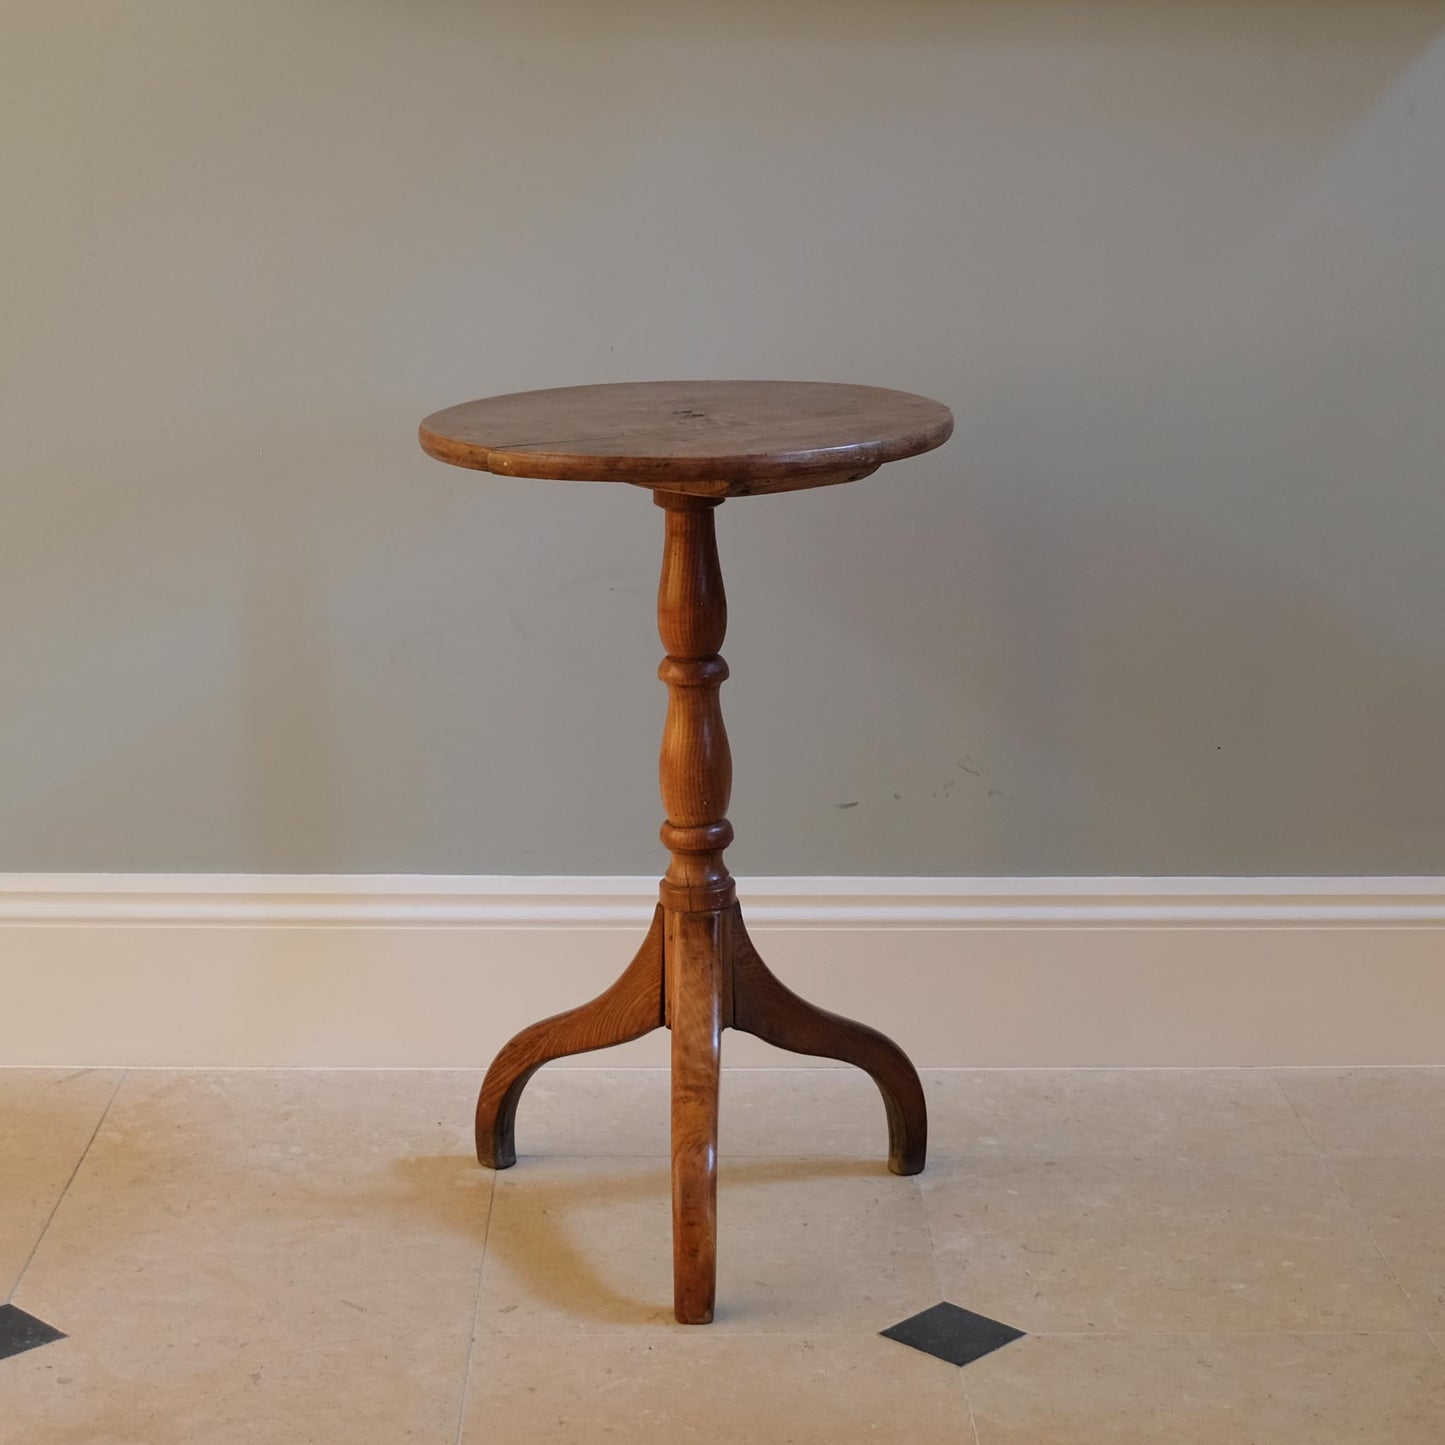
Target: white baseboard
375	971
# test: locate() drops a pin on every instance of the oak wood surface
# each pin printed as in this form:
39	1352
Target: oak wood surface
695	767
697	972
718	438
629	1008
698	963
765	1007
695	772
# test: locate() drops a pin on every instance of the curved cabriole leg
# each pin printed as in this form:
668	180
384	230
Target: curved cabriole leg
773	1012
630	1008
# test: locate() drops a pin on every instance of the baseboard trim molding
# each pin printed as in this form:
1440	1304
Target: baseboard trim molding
408	971
392	900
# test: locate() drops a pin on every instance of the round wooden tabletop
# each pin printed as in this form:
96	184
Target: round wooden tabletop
714	438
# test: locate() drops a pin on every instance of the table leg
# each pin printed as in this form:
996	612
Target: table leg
765	1007
698	977
697	971
631	1007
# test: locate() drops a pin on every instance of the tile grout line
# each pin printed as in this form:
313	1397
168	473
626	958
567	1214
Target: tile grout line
1217	1334
1374	1243
60	1198
938	1280
1299	1119
476	1314
924	1070
1356	1214
619	1331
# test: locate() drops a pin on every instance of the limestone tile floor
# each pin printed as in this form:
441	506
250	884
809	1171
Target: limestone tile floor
1242	1257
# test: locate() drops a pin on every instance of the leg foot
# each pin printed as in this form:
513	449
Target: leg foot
630	1008
766	1008
696	950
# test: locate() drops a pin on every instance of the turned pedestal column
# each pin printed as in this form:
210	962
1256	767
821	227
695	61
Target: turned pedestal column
695	444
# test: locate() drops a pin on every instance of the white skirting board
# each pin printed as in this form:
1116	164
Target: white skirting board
386	971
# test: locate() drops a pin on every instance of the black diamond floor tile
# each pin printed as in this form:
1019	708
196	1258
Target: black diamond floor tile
20	1332
953	1334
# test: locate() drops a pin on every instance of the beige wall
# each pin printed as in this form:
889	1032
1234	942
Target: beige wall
1170	602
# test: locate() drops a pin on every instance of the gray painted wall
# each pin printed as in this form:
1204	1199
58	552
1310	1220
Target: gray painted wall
1170	602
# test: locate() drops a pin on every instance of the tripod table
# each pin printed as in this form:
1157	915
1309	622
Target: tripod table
695	444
